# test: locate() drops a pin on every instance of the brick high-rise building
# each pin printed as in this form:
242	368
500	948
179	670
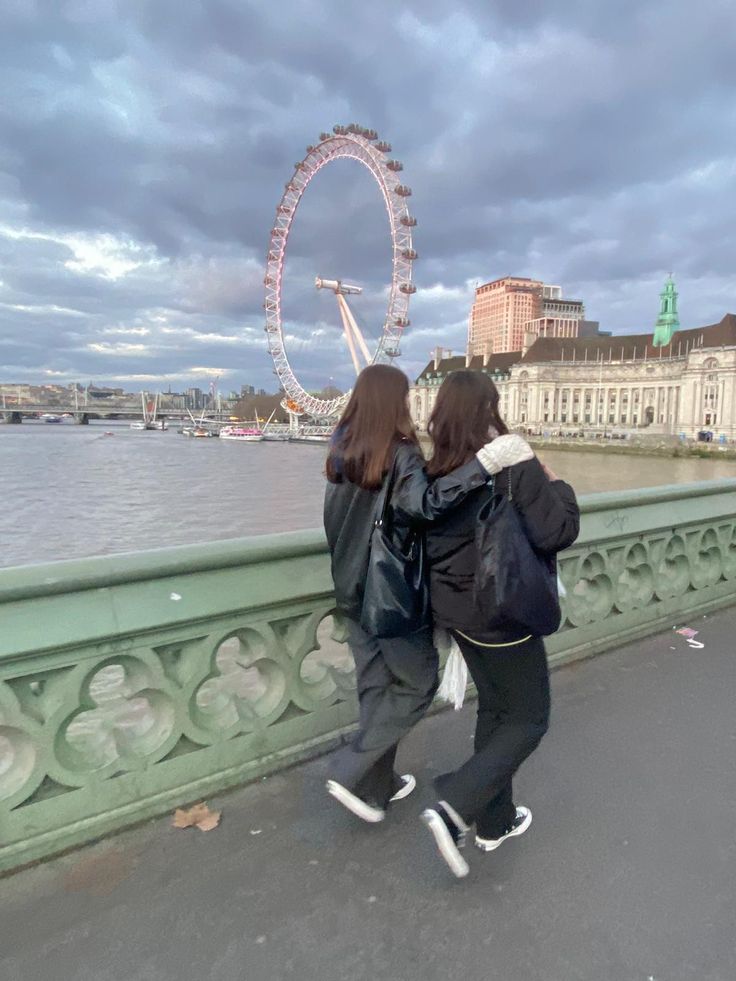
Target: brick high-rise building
507	309
499	313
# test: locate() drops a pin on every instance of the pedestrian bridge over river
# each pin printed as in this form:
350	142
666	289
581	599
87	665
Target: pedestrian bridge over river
131	685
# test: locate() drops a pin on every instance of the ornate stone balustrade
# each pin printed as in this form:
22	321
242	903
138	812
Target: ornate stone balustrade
132	684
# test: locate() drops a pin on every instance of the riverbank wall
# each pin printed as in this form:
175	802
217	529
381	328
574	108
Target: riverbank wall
670	448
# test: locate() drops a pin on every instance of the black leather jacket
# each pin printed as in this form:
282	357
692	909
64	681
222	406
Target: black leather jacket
350	511
549	512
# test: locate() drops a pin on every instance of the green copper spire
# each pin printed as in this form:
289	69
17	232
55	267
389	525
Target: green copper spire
667	321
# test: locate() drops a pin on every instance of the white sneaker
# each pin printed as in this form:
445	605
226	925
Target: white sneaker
448	837
359	807
521	822
410	784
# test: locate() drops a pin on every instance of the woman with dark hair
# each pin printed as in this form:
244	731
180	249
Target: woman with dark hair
508	665
396	676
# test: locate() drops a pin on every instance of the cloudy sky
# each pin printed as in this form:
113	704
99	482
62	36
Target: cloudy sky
144	145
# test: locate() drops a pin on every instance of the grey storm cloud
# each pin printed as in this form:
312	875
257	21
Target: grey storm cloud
144	147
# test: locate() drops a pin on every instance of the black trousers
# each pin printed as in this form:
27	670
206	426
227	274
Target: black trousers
513	715
397	679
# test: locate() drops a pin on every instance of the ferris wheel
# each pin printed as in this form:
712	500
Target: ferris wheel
354	143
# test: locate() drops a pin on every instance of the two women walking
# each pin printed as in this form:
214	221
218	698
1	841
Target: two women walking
427	515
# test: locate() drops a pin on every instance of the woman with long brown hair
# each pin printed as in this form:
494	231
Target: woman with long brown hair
507	663
397	675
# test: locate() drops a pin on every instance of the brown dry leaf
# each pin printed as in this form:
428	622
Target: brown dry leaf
209	822
181	819
187	819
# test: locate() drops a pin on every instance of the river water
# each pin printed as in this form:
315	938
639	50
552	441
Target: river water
70	491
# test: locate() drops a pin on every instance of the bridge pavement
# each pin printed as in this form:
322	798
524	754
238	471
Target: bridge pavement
628	872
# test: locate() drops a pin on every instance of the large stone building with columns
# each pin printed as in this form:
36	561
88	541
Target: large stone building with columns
616	384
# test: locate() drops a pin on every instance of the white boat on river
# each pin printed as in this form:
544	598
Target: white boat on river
242	434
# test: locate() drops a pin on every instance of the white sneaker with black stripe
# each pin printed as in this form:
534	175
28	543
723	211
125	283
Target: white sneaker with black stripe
520	824
448	830
356	805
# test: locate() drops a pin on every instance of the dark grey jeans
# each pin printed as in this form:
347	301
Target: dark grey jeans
397	680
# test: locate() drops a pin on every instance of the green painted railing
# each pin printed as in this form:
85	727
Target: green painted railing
132	684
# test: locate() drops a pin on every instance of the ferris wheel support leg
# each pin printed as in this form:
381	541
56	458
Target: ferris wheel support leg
348	332
357	332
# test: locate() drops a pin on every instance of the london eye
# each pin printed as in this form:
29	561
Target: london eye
351	142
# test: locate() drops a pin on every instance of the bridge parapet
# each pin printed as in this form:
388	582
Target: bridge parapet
132	684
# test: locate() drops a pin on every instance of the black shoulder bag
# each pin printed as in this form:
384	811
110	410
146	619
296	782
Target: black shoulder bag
513	583
396	594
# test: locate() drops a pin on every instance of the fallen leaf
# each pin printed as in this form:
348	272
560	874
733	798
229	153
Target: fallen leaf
209	822
194	816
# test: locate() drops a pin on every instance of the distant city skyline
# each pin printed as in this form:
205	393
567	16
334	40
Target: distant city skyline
144	155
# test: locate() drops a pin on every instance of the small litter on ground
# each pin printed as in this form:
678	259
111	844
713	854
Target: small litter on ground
687	632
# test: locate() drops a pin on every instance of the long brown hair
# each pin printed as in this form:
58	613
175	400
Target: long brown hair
375	419
464	418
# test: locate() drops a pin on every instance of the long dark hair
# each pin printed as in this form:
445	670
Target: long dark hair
464	418
374	420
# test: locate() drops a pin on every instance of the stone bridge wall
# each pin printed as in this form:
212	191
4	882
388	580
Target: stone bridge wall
132	684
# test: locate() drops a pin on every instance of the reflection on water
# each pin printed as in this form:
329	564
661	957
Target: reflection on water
70	491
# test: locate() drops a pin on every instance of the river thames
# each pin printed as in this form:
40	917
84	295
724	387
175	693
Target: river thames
70	491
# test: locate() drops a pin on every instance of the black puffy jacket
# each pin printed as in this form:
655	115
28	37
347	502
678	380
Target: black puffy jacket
350	511
551	519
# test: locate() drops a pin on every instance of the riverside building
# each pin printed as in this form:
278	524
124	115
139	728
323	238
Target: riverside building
668	382
507	309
